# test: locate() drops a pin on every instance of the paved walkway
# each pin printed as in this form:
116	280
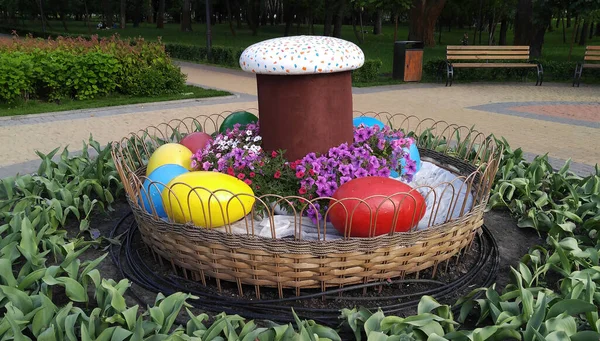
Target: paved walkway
554	118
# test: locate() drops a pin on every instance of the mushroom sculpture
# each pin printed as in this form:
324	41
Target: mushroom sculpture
304	92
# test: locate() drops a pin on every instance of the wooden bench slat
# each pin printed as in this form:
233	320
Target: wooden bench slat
591	66
485	65
494	52
589	48
591	58
487	57
483	47
592	53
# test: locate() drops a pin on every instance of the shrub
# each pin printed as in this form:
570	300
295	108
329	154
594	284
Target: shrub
368	72
16	81
226	56
86	68
559	71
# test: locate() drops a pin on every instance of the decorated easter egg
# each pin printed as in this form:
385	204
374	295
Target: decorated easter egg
389	205
207	199
154	184
196	141
170	153
367	121
242	117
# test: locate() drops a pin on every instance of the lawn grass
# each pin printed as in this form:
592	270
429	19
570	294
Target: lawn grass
374	47
37	107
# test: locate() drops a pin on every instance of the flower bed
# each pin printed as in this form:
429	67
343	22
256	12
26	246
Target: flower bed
248	258
374	152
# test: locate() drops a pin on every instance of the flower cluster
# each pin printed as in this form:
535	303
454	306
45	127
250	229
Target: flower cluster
373	152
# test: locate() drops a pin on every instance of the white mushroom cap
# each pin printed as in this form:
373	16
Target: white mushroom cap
302	55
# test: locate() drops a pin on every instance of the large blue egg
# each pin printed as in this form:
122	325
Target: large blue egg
367	121
413	152
154	185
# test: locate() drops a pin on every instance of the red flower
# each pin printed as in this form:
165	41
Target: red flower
277	175
248	182
273	154
293	166
257	187
311	172
252	174
310	196
300	175
302	191
230	171
241	176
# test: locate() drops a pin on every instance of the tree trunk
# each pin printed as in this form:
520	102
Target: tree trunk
327	27
339	19
108	19
288	15
558	21
598	29
186	16
564	31
87	17
395	27
537	39
236	15
123	15
591	30
150	13
584	31
573	38
64	22
378	22
422	18
503	30
42	17
160	18
230	17
524	22
253	16
568	15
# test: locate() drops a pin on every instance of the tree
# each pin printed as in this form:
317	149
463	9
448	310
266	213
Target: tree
160	17
123	13
186	16
422	18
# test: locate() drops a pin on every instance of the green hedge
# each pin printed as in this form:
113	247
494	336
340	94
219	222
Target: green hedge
558	71
82	68
369	72
226	56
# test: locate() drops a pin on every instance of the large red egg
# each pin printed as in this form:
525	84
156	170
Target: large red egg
385	199
196	141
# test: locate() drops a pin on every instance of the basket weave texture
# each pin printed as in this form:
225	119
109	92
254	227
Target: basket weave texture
294	263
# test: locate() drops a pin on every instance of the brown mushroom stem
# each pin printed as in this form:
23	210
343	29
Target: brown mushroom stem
305	113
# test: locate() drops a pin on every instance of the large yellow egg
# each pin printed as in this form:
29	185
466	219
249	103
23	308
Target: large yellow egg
207	199
170	153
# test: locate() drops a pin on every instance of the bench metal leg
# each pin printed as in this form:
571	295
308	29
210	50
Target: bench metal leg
577	76
540	75
449	74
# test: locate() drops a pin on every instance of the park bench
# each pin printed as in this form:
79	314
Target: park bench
591	60
461	56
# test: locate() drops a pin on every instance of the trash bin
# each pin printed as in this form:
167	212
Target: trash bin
408	60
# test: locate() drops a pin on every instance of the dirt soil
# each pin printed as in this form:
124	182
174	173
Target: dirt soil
512	241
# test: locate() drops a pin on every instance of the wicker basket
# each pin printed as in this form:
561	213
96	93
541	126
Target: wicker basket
294	263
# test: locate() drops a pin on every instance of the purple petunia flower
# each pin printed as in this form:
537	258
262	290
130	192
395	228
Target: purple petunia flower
360	173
